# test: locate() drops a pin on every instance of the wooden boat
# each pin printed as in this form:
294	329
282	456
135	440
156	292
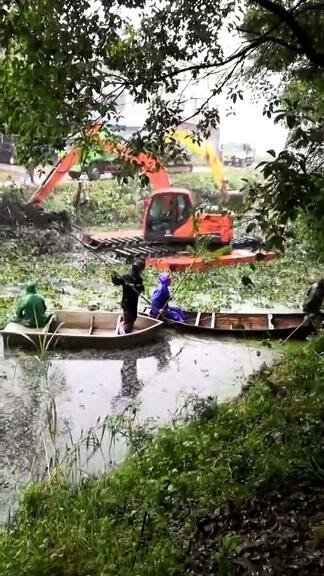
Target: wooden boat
82	328
272	324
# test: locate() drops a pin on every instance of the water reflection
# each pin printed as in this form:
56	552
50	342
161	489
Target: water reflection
131	384
19	414
87	385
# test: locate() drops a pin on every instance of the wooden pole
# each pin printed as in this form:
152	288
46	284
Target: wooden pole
306	319
112	261
181	280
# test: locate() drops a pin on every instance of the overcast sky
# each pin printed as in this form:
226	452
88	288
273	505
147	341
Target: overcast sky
250	126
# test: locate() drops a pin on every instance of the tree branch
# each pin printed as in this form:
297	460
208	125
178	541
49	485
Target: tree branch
288	18
212	95
310	7
239	55
266	38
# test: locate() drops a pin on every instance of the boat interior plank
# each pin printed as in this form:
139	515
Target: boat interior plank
197	321
118	325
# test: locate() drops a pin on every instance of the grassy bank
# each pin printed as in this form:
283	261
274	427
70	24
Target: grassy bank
237	490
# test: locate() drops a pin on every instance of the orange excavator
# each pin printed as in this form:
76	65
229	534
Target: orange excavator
171	216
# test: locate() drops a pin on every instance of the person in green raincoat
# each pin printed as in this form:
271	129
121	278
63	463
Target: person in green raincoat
31	309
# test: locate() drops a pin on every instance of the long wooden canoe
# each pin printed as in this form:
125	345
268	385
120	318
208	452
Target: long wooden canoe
82	328
272	324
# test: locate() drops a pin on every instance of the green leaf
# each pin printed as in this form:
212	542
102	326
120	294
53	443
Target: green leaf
272	153
291	121
250	227
246	281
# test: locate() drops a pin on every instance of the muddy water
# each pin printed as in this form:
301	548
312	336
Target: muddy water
72	391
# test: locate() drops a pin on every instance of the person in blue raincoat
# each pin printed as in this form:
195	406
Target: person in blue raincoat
160	301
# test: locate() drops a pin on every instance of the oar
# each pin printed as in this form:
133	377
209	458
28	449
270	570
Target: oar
112	261
306	319
104	260
181	280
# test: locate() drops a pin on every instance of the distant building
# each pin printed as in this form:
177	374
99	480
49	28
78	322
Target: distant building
133	115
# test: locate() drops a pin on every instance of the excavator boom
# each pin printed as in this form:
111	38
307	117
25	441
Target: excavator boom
204	150
55	176
155	172
157	175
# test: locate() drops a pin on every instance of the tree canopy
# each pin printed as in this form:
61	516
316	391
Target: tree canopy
64	63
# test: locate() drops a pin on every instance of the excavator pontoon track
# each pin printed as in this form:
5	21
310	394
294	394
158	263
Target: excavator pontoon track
126	248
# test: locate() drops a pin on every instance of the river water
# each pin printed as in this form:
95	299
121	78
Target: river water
65	396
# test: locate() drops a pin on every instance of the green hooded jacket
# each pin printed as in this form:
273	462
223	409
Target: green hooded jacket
31	309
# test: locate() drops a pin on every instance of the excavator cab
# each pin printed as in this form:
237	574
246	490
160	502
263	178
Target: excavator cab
166	212
170	217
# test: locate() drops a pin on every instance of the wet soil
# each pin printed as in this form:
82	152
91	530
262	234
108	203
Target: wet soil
43	231
280	533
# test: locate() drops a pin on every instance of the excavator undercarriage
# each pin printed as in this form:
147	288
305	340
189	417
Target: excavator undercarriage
127	247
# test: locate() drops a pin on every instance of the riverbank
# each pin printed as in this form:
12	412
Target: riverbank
236	490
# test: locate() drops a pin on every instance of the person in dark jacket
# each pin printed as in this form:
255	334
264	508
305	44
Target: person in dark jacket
314	298
133	286
313	302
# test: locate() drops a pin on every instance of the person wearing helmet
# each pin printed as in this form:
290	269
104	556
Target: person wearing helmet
31	309
160	301
133	286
